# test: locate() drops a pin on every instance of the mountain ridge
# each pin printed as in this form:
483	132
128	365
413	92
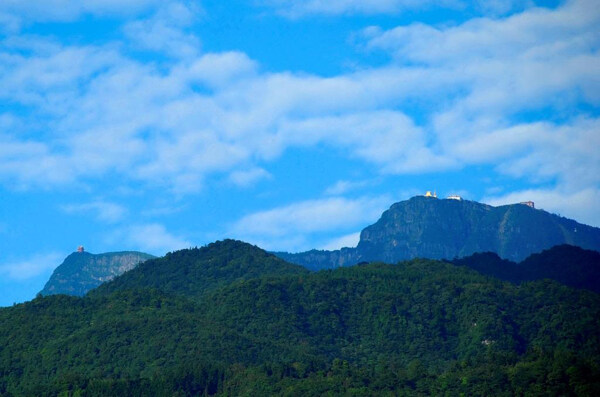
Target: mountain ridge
569	265
423	327
446	228
195	271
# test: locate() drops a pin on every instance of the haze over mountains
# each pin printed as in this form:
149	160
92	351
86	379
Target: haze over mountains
428	227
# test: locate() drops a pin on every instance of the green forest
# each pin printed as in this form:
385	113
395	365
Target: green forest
231	319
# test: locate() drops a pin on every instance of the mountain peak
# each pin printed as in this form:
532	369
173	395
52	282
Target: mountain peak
435	228
82	271
194	271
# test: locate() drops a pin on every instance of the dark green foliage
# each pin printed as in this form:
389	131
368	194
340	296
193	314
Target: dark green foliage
569	265
424	227
421	327
192	272
572	266
489	263
82	271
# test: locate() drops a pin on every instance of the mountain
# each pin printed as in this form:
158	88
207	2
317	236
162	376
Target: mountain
421	327
434	228
193	272
569	265
82	271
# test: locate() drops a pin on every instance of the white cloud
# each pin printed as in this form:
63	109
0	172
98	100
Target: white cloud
507	64
31	267
245	178
152	237
488	72
387	138
95	111
499	7
219	70
349	240
300	8
297	8
289	227
152	126
580	205
16	13
164	32
104	211
342	187
539	151
107	127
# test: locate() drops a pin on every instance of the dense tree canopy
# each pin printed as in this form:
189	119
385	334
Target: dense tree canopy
421	327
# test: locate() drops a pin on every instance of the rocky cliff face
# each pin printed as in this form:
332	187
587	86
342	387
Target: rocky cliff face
82	271
444	229
319	259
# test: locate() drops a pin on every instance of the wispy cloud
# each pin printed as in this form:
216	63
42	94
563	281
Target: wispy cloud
578	205
149	123
103	210
306	8
291	227
31	267
14	14
298	8
153	238
501	68
165	32
98	111
348	240
245	178
342	187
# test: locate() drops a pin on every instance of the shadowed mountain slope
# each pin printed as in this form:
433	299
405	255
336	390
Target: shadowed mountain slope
569	265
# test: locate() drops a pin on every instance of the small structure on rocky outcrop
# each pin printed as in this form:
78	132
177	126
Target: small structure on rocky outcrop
528	203
80	248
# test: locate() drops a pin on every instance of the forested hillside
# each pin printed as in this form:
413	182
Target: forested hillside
192	272
421	327
569	265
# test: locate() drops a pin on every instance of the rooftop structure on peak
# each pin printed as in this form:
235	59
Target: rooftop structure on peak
429	194
454	197
80	248
528	203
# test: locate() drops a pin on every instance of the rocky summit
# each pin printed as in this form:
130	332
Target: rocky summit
429	227
82	271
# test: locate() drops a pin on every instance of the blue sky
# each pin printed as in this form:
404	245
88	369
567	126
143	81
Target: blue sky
155	125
